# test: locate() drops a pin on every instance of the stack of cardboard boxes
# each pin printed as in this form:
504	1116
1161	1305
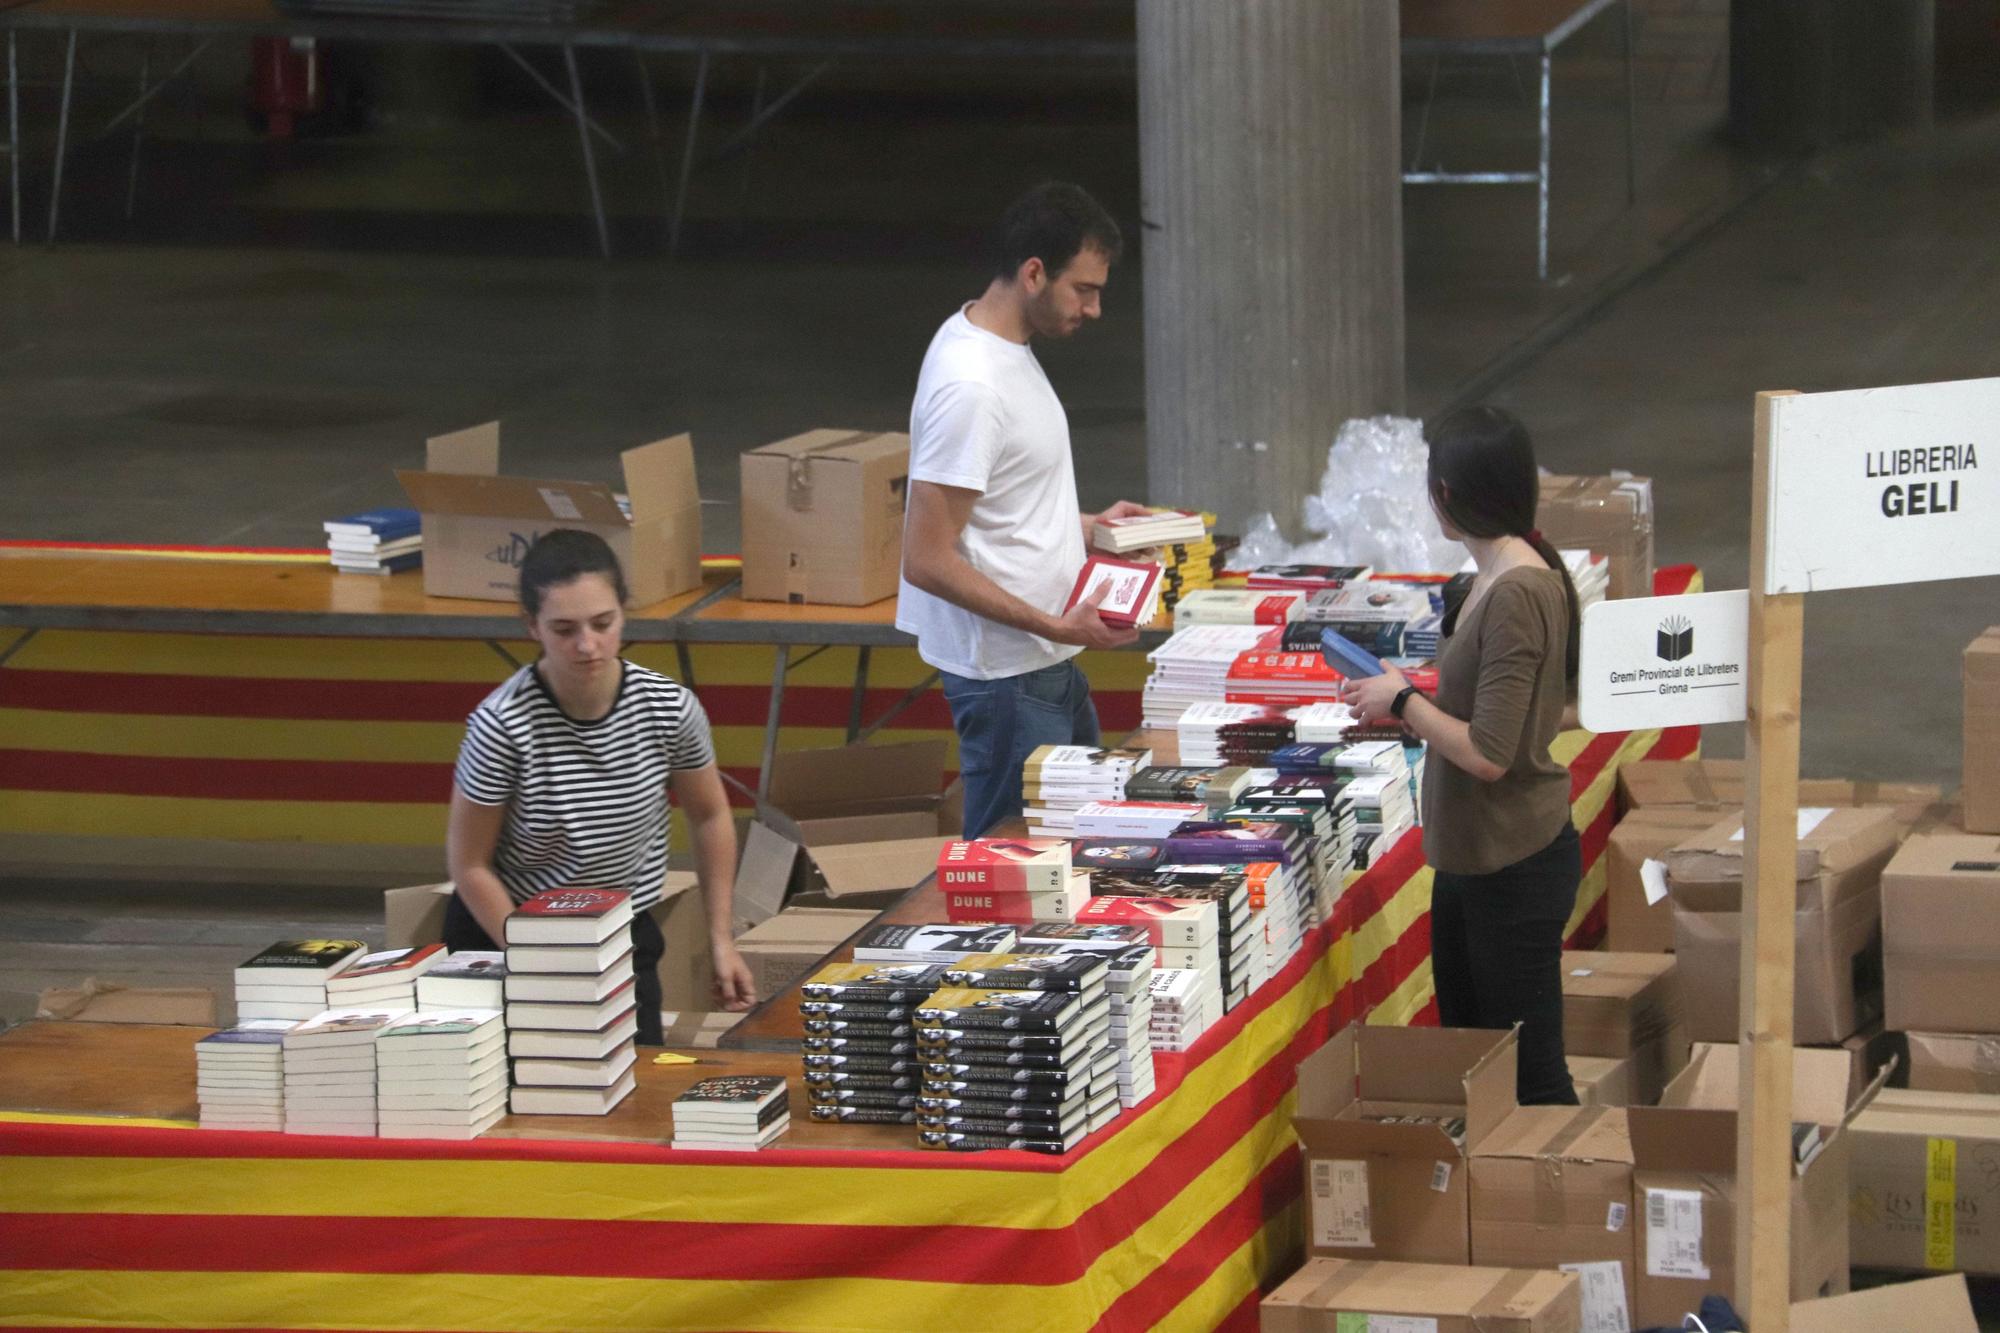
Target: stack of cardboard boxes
1623	1028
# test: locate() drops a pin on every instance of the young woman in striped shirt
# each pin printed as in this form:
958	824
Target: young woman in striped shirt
564	774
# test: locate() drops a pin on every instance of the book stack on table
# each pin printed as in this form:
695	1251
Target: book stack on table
1128	962
735	1113
289	979
1185	1005
1010	880
1179	541
330	1072
1025	1069
571	1016
1192	667
1135	819
1212	734
1185	934
1323	723
467	979
240	1076
377	541
386	979
1057	779
1210	787
441	1075
1237	606
861	1061
1238	938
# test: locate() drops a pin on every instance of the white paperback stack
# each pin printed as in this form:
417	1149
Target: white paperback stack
1184	933
1057	779
1128	955
239	1075
1192	667
1185	1005
386	979
738	1112
330	1072
467	979
380	541
1323	723
569	973
288	980
441	1075
1165	527
1380	796
1199	728
1238	606
1135	819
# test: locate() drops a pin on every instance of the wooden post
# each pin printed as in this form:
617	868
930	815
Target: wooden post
1271	208
1770	824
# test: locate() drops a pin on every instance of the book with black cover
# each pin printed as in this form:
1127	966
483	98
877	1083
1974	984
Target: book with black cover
886	983
299	963
948	1141
1026	1011
1075	973
931	943
862	1115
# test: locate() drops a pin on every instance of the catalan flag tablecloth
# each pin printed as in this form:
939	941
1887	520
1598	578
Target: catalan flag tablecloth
1179	1216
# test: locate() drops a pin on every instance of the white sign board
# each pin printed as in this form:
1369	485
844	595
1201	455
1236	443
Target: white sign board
1664	661
1879	486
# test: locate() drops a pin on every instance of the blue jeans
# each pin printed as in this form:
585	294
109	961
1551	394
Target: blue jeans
1001	722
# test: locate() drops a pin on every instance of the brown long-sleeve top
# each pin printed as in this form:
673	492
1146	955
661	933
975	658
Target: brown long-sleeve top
1501	669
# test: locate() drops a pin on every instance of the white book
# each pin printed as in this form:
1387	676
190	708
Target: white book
569	1017
255	1009
449	1065
586	958
575	1073
453	1131
245	1097
584	1045
420	1033
709	1141
494	1099
467	1098
406	1078
571	1101
468	979
341	1027
576	987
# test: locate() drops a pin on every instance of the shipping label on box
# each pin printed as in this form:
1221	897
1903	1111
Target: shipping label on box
1926	1191
1552	1186
1640	920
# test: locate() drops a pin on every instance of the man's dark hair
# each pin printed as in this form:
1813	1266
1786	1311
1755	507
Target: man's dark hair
1053	223
563	555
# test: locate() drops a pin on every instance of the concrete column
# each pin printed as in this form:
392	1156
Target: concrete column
1272	219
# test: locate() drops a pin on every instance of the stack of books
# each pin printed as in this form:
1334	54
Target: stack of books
1332	820
1056	779
1009	880
1139	532
734	1113
1128	978
441	1075
1308	578
1424	639
467	979
288	980
1185	1005
931	943
386	979
1016	1069
1238	945
1237	606
1192	667
1135	819
1213	788
1381	794
861	1061
569	989
377	541
1377	617
239	1075
330	1072
1242	734
1280	678
1184	933
1323	723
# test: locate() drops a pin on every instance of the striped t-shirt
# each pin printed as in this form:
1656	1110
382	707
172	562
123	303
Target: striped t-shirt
586	801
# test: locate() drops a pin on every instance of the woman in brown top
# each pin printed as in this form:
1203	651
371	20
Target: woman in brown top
1497	829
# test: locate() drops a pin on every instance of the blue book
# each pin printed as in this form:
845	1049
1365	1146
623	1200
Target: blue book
1348	657
385	524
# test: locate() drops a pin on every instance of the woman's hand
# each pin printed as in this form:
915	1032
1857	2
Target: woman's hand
1371	696
735	988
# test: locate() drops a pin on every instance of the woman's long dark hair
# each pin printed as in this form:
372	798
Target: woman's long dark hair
1483	480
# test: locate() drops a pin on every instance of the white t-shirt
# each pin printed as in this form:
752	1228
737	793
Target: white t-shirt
987	419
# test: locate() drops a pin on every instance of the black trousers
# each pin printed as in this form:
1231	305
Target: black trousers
463	931
1496	954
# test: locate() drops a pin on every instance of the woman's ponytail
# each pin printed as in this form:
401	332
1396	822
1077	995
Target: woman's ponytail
1553	559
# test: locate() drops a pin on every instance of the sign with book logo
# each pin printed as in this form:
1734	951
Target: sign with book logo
1880	486
1664	661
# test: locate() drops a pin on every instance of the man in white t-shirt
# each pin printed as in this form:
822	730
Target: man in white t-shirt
994	536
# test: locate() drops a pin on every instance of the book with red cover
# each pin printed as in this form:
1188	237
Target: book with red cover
569	916
1011	866
1131	590
1168	922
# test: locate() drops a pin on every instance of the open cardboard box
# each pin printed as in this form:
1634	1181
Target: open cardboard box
823	517
783	948
1684	1182
1718	785
105	1002
478	523
1934	1305
1378	1188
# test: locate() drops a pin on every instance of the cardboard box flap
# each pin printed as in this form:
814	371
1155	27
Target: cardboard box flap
1520	1296
1682	1139
1820	1082
1960	1115
107	1002
472	452
861	828
1982	656
1935	1304
824	926
870	867
763	874
1845	837
533	498
1327	1078
660	478
1973	858
1657	784
1593	975
865	776
1561	1134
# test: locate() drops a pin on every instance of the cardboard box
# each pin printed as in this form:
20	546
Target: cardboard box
1552	1185
104	1002
1941	934
1610	515
1626	1006
1837	985
1684	1189
1953	1062
1869	1052
1397	1189
1980	777
1337	1296
1935	1305
694	1029
478	524
785	947
1717	784
1602	1082
823	517
414	915
1926	1194
1636	923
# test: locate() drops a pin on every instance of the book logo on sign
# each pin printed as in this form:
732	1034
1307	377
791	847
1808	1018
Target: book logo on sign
1675	640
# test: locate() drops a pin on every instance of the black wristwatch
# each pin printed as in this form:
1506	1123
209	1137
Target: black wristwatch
1402	701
